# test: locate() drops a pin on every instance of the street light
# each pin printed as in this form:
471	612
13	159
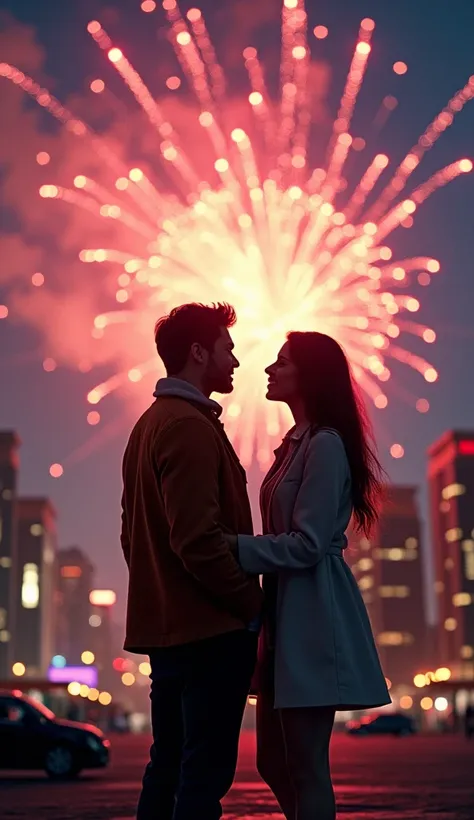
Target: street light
87	657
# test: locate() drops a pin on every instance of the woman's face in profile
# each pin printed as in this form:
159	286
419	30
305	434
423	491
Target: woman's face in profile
282	377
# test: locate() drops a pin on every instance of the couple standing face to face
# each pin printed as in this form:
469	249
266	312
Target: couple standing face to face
217	369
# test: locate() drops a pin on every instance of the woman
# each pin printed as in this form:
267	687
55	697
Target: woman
317	652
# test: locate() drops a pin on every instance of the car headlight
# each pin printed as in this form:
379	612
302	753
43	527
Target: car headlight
94	743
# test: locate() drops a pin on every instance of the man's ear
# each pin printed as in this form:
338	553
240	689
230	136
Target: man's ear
198	353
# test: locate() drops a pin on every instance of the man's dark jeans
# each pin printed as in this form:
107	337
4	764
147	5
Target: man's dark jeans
198	695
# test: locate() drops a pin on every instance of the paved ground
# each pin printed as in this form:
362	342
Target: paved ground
375	779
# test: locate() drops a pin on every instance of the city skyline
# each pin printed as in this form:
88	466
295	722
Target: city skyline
53	423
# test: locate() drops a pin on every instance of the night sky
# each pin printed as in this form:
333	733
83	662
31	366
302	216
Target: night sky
434	38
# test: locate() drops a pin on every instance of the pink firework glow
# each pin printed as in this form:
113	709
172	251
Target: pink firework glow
291	247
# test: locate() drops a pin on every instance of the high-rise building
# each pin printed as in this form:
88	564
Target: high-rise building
36	583
75	580
451	489
102	634
388	569
9	444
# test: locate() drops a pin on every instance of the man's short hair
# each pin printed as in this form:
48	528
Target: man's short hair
186	325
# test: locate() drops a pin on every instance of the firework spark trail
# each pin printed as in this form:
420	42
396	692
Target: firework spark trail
272	237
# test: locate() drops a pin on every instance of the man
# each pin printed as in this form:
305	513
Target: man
190	606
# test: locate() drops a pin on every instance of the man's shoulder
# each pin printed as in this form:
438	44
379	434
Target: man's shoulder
170	414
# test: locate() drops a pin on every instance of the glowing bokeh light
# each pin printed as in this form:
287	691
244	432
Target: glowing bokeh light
301	248
183	38
3	311
18	669
422	405
397	451
173	83
49	365
56	470
43	158
93	418
97	86
400	67
115	55
148	6
37	280
320	32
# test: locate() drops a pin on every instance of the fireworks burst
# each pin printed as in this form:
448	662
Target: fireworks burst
272	236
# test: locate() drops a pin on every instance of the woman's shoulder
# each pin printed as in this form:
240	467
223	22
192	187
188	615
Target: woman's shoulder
326	434
326	442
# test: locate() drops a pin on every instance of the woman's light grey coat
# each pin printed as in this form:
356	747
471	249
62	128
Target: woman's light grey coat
325	652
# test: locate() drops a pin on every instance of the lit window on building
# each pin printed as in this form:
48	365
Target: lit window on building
452	491
411	543
469	565
467	652
71	572
366	582
395	638
466	447
48	555
394	591
36	529
3	618
396	554
449	563
454	534
439	586
4	636
462	599
30	586
5	562
365	564
450	624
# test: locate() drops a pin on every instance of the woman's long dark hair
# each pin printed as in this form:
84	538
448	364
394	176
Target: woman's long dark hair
332	399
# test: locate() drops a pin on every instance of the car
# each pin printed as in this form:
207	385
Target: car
393	723
32	737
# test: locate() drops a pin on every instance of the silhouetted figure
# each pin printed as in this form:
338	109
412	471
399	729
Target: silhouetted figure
191	607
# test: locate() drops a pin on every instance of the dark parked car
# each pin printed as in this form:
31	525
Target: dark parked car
393	723
32	737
